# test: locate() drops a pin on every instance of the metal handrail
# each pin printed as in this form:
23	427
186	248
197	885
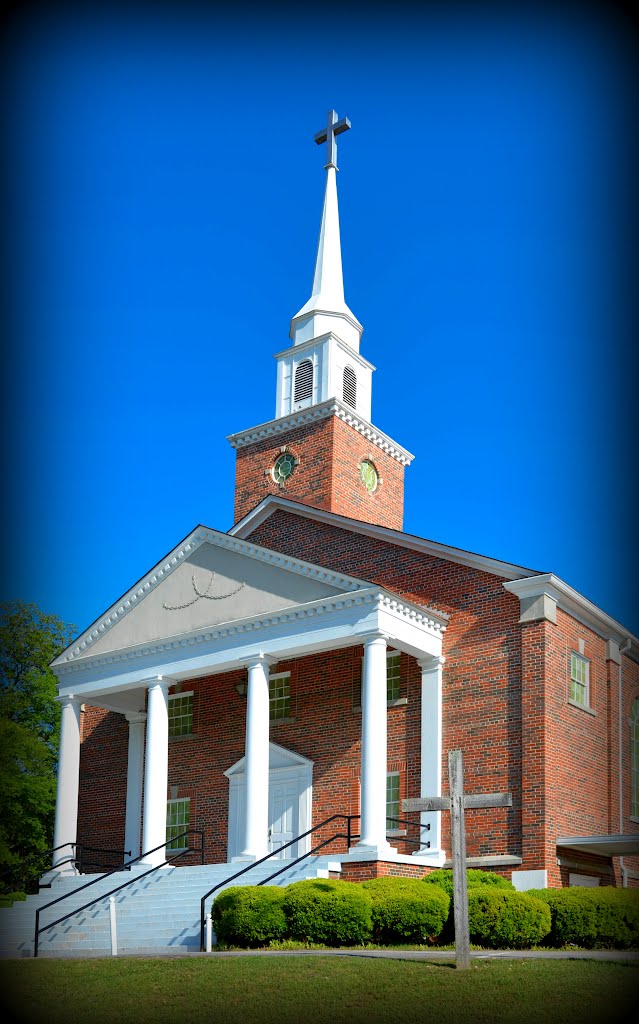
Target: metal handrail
227	881
99	878
292	863
35	856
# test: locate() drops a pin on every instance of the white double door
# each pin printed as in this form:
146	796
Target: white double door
289	804
283	813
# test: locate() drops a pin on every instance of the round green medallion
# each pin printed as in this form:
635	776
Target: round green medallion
283	467
369	476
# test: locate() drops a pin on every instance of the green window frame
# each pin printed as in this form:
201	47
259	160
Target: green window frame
279	693
580	680
180	710
393	675
178	818
392	801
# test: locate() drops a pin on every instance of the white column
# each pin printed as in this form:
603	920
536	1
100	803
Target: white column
374	748
134	779
156	772
66	804
431	757
256	761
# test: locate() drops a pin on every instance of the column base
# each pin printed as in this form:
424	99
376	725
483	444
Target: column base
248	858
376	851
433	858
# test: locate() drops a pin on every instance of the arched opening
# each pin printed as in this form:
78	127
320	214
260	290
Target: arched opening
349	390
303	391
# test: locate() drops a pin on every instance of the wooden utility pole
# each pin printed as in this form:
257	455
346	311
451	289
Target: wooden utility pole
457	803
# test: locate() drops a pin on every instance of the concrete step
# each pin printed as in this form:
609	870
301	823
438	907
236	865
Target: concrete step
159	911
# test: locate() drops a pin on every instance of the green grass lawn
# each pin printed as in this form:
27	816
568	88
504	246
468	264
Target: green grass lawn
316	990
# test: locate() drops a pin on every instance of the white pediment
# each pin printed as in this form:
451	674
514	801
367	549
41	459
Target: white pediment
278	757
210	580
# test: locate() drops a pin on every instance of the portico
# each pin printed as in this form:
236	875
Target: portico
335	612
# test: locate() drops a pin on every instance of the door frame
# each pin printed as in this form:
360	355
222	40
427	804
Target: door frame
283	765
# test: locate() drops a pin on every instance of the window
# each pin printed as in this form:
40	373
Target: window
180	714
178	814
392	801
580	680
369	476
283	467
634	757
304	382
349	390
279	691
393	676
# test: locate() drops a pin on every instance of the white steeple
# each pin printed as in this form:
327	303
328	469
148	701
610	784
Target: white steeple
326	309
323	362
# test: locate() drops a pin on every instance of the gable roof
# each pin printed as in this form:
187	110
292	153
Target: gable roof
302	581
567	598
484	563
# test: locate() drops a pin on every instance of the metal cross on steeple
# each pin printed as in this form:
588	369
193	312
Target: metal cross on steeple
327	135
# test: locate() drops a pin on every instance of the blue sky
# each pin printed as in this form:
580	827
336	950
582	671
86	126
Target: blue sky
165	195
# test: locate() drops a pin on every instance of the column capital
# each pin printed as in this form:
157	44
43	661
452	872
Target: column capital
262	659
431	662
135	717
164	682
69	700
375	637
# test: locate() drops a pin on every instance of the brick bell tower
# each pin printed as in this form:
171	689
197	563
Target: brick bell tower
321	448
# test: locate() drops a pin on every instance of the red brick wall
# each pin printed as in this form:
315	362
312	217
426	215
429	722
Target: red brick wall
482	673
327	475
506	690
103	769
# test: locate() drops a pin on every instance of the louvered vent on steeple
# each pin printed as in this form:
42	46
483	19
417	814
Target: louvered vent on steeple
304	383
350	387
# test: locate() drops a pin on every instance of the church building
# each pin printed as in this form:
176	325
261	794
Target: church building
316	661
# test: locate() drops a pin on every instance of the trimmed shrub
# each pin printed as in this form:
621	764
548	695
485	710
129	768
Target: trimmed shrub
249	915
405	911
333	912
474	877
443	878
598	918
500	918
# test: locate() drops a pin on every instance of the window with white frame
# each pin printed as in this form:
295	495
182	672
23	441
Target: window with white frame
393	675
392	801
178	816
279	692
634	757
580	680
180	714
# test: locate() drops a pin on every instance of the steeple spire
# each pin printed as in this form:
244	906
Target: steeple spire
326	309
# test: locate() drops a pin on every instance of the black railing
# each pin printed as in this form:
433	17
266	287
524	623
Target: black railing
412	824
289	864
79	860
349	836
130	881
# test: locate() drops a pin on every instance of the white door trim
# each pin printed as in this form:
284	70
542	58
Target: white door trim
284	765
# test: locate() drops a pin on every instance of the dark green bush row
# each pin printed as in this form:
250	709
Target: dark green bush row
330	912
601	918
395	910
474	878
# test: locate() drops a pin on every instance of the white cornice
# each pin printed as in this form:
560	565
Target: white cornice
189	545
425	618
575	604
274	502
331	407
312	342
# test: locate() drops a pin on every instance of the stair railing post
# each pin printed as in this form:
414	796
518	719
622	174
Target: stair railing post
209	932
113	926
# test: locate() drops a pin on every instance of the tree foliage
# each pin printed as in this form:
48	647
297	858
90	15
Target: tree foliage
29	728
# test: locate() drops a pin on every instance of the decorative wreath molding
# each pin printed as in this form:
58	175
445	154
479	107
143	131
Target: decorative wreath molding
200	536
424	618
